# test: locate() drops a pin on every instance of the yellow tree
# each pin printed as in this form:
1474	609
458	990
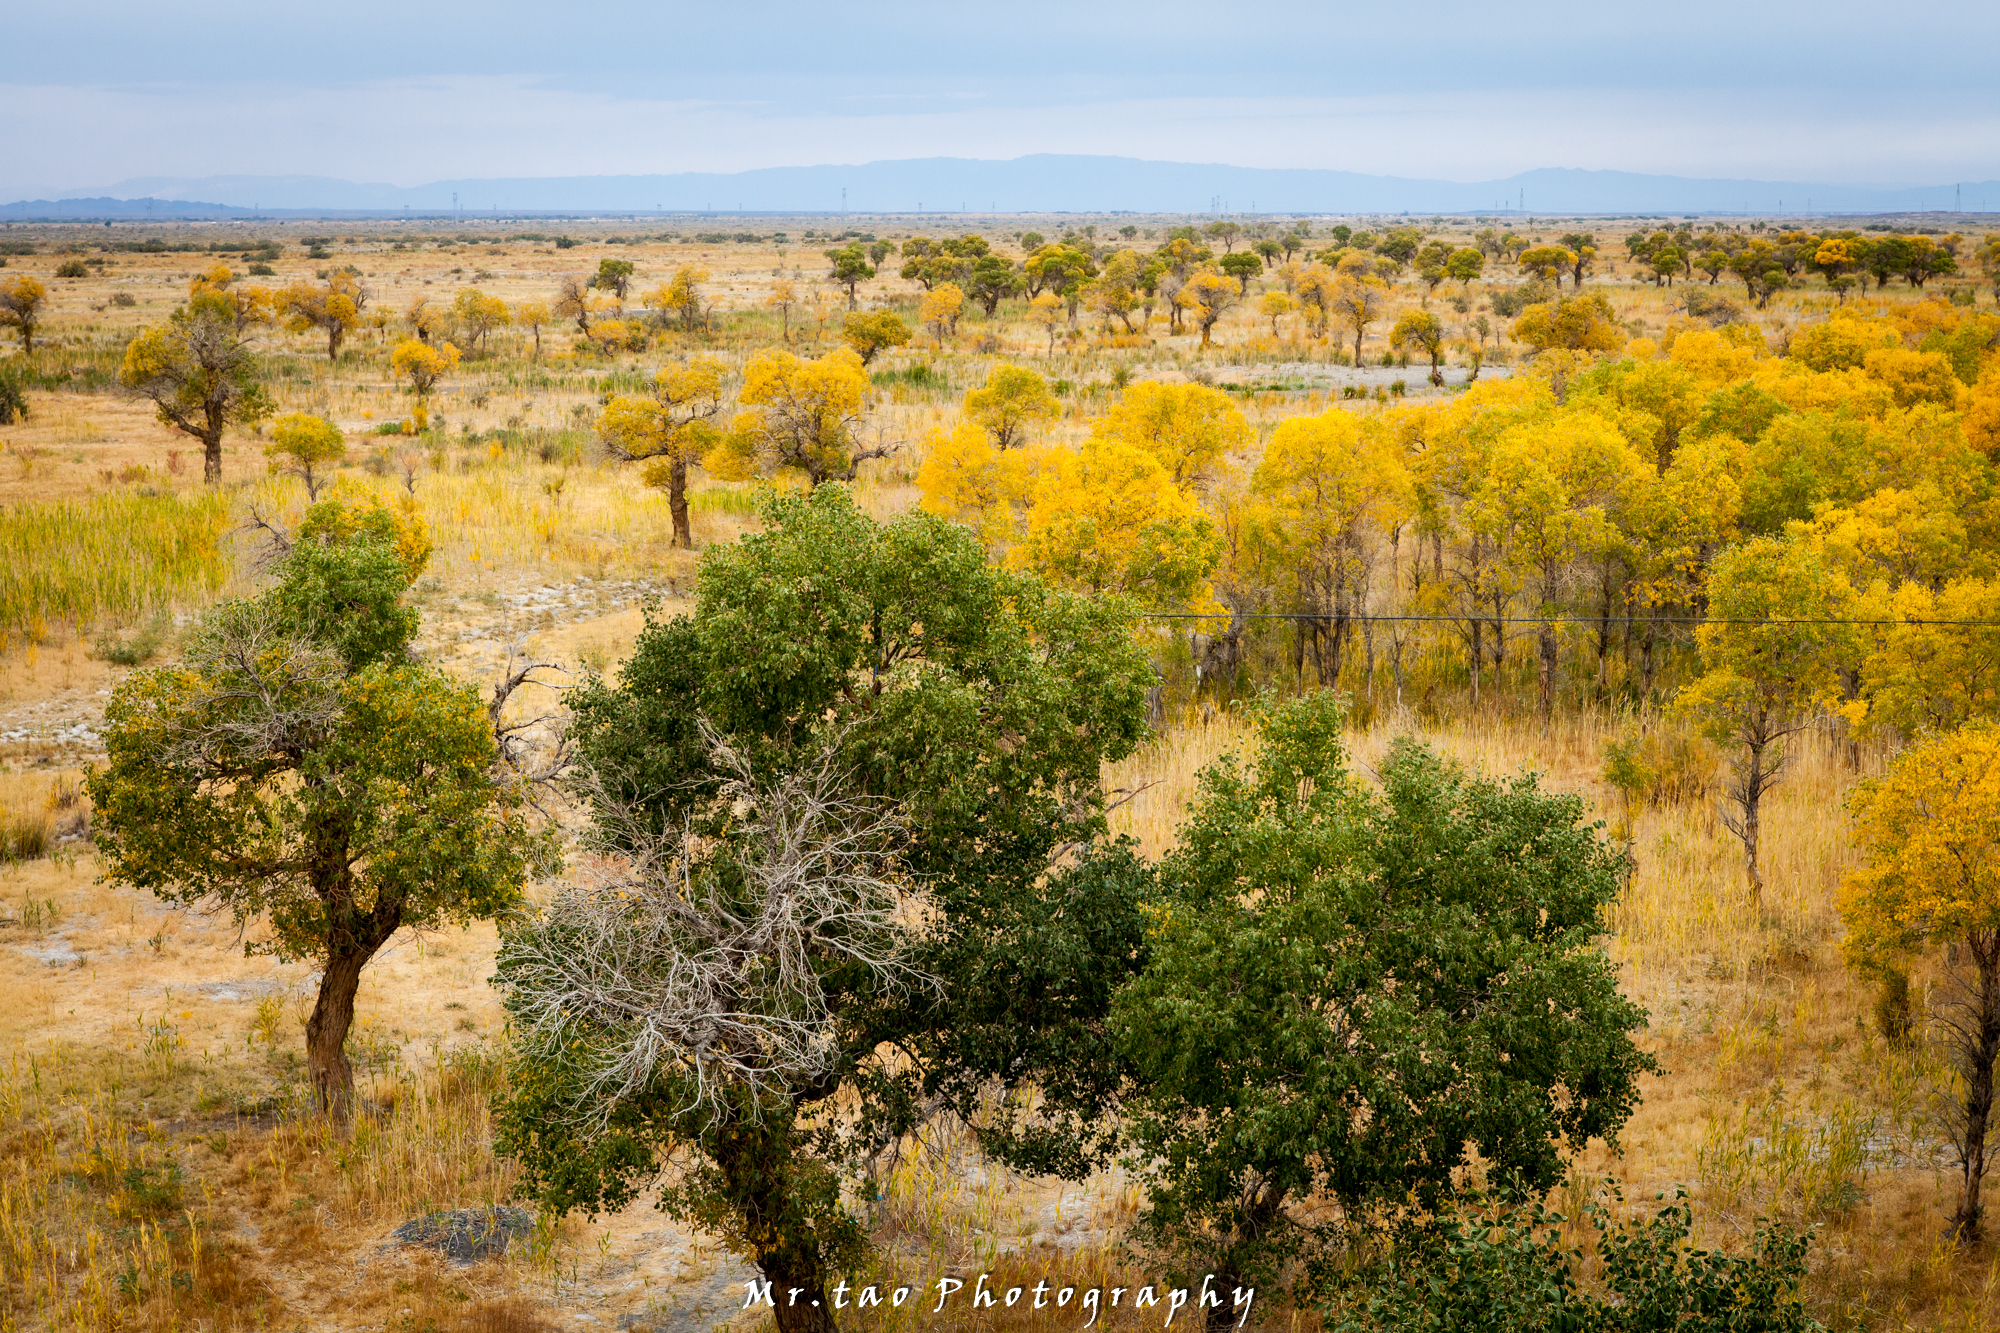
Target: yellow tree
1207	296
1314	291
870	332
782	298
1773	642
799	414
1189	428
1322	497
1677	521
1047	311
1358	302
1012	402
198	372
1109	519
1547	503
1115	293
423	366
252	304
681	295
478	314
1573	323
1548	262
306	446
531	315
1937	664
1275	306
426	320
962	480
670	428
1930	832
333	309
940	311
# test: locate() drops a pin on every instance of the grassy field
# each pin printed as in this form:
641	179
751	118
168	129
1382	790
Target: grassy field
160	1171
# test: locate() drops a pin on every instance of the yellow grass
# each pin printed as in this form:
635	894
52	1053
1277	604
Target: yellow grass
69	562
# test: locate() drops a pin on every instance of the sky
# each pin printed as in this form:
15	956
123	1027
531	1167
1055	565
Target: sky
97	91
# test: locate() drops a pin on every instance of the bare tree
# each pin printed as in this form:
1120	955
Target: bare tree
698	959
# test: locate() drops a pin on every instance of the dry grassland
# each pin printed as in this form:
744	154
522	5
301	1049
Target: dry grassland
157	1168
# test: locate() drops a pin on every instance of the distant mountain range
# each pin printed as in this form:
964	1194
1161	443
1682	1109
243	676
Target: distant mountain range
1043	183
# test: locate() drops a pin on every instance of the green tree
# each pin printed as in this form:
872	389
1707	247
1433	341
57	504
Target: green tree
993	279
1062	269
614	276
1422	330
1351	992
958	715
1583	245
1465	265
1770	650
850	269
301	770
199	373
1242	267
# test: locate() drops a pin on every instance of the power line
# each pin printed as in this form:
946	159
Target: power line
1565	620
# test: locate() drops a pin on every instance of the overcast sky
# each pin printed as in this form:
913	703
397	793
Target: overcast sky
96	91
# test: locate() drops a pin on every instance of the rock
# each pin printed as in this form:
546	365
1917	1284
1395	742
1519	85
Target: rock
698	1307
236	990
466	1234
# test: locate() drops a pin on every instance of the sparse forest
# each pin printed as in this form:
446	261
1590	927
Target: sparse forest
1362	773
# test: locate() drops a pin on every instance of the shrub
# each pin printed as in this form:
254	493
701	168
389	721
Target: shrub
13	398
123	299
262	270
1504	1267
24	834
1509	302
132	648
72	268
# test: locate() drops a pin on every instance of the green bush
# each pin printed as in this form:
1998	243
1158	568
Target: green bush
1502	1266
133	648
72	268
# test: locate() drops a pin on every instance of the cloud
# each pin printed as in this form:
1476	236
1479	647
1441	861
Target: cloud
410	130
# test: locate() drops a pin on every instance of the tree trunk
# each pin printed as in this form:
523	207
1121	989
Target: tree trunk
1646	654
751	1156
1753	802
1980	1052
211	448
333	336
326	1035
1478	656
677	502
1545	648
810	1310
1252	1221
